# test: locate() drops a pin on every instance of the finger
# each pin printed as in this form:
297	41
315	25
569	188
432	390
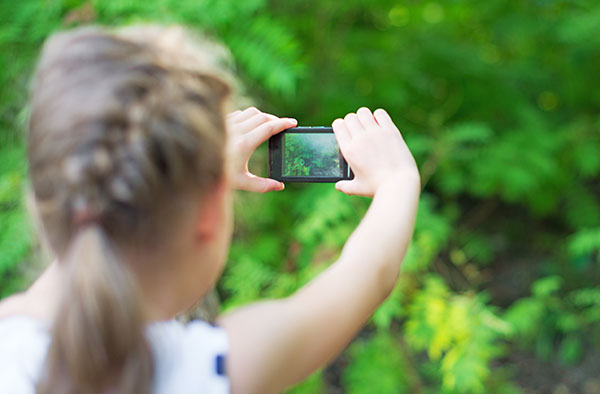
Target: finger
258	184
366	118
354	125
347	187
254	122
352	188
236	115
266	130
232	115
384	119
247	114
341	133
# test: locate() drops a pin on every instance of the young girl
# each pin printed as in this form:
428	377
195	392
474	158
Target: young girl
132	164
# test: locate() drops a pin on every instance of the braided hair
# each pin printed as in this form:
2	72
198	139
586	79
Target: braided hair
124	125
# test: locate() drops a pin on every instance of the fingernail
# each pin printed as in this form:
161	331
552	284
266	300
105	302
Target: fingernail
282	186
293	120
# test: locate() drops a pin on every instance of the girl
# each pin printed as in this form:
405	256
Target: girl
132	165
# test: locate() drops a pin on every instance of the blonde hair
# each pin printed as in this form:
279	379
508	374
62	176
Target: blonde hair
125	125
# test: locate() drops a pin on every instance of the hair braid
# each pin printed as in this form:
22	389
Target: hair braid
122	126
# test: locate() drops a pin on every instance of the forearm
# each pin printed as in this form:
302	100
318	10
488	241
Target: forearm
377	247
339	302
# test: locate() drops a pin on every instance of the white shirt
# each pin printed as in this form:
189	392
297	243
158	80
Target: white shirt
189	358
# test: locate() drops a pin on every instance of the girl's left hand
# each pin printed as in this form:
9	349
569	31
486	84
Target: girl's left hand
246	131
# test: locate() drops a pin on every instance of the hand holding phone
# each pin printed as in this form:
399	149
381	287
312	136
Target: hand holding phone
375	150
246	131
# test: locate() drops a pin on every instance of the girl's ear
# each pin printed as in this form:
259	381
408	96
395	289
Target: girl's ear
211	214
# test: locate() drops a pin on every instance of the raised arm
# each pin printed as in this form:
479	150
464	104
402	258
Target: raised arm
277	343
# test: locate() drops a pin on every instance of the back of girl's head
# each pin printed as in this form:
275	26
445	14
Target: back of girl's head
122	124
125	127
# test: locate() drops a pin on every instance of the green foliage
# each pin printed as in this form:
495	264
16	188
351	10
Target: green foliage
377	366
15	237
499	102
554	322
586	243
458	330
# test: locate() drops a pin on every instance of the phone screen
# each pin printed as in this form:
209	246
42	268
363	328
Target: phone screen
311	155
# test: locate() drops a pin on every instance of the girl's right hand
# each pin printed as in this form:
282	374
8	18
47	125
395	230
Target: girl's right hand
375	150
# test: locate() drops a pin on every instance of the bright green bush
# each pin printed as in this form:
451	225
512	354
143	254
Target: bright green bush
15	235
499	102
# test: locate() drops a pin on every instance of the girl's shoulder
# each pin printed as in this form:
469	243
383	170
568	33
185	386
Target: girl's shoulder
34	306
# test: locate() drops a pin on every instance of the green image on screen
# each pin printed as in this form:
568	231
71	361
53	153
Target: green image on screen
311	155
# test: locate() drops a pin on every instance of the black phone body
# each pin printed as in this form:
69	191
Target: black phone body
307	154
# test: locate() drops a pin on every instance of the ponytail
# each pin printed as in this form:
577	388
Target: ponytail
98	342
138	121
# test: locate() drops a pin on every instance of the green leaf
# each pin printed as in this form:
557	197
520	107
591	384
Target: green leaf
570	350
546	286
377	366
526	315
585	242
458	330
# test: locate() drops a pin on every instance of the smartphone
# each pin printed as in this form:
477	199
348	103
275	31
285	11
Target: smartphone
307	154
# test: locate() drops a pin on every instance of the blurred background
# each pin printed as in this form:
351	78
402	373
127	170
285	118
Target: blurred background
500	102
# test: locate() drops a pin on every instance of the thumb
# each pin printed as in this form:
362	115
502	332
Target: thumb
263	185
348	187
